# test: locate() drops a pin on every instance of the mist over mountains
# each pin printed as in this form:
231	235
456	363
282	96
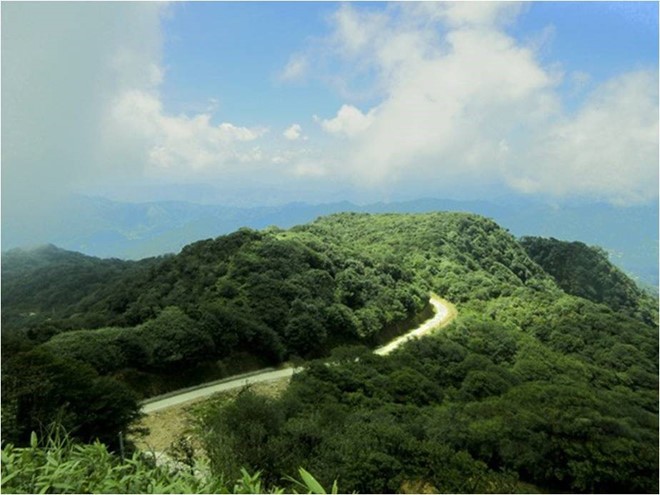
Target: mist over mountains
105	228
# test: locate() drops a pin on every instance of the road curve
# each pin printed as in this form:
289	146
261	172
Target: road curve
445	312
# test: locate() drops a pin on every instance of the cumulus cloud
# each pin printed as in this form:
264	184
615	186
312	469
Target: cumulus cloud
447	107
609	149
350	122
293	133
181	142
355	30
461	101
461	14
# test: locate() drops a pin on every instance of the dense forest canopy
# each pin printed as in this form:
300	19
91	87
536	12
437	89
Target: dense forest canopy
548	379
585	271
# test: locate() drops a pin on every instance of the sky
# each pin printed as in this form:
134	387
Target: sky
248	103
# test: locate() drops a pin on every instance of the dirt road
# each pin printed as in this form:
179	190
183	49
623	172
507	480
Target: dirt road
151	406
445	312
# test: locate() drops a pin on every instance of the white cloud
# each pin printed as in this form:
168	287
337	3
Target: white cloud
181	142
98	116
462	102
446	98
295	69
62	63
609	149
309	169
461	14
447	107
355	30
350	121
293	133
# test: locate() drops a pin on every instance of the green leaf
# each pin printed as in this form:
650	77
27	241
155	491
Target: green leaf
310	482
7	477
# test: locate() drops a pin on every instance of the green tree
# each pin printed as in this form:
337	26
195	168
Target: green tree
40	389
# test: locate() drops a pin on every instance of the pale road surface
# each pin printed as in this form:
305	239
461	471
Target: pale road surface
191	395
445	312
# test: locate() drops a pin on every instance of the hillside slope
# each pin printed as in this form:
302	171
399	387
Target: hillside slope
586	271
43	283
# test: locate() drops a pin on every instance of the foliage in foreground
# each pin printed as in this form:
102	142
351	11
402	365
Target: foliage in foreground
63	466
41	388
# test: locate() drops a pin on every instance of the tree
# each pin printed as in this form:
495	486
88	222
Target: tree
240	435
40	389
305	335
174	338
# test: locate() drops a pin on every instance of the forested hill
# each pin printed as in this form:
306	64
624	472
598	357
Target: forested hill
532	383
347	259
39	283
586	271
343	278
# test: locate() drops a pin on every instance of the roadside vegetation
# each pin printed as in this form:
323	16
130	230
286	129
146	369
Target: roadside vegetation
58	465
548	379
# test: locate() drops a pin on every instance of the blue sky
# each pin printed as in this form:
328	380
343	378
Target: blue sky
261	103
233	51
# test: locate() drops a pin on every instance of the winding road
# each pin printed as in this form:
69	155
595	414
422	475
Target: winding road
445	312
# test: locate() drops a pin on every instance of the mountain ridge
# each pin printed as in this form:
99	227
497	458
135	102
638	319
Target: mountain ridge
102	227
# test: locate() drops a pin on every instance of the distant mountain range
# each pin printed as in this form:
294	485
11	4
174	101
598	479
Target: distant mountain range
105	228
